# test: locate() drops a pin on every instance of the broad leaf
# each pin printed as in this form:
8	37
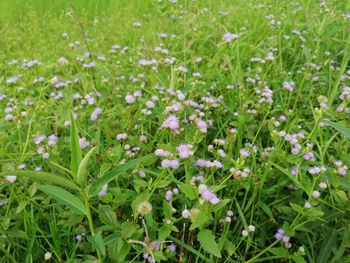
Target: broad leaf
82	170
64	197
44	177
111	175
208	243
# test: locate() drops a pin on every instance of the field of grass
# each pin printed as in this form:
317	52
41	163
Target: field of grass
174	131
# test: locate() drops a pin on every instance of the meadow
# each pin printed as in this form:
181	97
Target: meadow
174	131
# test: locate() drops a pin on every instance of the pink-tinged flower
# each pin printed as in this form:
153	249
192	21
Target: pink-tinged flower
186	213
175	163
172	248
168	195
166	163
83	143
185	150
129	99
95	114
172	122
341	171
121	136
207	194
162	153
229	37
39	139
103	191
202	125
52	140
11	178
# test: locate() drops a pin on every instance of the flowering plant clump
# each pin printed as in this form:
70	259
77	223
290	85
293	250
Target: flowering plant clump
174	131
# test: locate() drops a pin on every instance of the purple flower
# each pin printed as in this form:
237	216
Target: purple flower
184	150
172	122
168	195
129	99
172	248
229	37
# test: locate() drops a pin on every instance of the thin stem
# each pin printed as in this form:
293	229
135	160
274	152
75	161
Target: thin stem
91	223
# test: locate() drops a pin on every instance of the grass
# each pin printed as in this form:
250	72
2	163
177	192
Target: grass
196	131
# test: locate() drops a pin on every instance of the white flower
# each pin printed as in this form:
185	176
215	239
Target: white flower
11	178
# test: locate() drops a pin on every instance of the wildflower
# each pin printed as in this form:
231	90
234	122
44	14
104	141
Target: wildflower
11	178
172	248
83	143
322	185
184	150
129	99
162	153
245	233
341	171
121	136
144	208
47	256
168	195
12	80
39	139
315	194
185	213
103	191
52	140
307	205
95	114
229	37
251	228
172	122
207	194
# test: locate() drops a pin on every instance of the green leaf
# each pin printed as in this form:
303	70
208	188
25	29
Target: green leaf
188	190
164	232
64	197
200	219
98	243
342	129
111	175
208	243
279	252
298	258
118	249
327	245
266	209
128	229
76	155
82	170
188	248
107	215
44	177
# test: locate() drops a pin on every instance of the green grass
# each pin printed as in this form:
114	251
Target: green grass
95	205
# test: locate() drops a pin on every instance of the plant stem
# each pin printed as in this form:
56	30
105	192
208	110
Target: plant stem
91	223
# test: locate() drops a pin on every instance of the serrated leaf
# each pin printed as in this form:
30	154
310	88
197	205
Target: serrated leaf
188	190
76	155
64	197
128	229
164	232
99	244
208	243
200	219
279	252
118	249
82	170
